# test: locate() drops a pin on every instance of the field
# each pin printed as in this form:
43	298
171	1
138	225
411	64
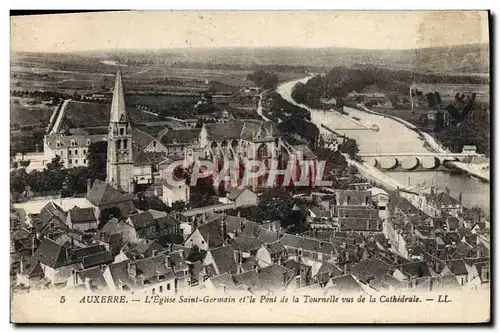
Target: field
22	113
85	114
448	91
85	74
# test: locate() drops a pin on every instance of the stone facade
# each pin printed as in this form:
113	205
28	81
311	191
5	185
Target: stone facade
120	164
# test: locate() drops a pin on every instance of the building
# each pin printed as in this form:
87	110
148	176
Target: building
82	219
172	193
120	163
108	202
241	197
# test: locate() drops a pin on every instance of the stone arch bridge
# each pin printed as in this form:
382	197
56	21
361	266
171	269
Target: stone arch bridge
413	161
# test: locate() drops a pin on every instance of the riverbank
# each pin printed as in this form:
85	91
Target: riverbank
394	136
430	141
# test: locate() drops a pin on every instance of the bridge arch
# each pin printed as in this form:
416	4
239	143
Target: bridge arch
389	163
430	163
409	163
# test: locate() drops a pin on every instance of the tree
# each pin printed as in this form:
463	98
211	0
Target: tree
352	170
196	254
97	157
179	206
18	180
24	163
349	147
77	180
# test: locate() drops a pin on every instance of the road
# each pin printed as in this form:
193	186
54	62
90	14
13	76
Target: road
259	106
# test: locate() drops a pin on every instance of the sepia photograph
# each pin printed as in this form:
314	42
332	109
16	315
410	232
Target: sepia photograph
250	167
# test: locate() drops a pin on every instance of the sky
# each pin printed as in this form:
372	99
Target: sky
311	29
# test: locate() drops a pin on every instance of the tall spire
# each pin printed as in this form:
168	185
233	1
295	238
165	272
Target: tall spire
118	112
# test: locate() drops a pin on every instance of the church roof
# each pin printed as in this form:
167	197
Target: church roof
102	193
118	113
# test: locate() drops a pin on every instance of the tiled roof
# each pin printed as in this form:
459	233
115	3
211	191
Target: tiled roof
344	283
223	281
246	244
234	192
247	130
457	267
416	269
212	233
51	212
141	220
224	259
52	254
327	271
102	193
355	197
371	267
120	275
154	266
360	224
82	140
87	251
94	276
96	259
181	136
141	139
308	244
82	215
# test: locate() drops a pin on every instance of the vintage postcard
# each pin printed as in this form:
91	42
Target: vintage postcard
250	167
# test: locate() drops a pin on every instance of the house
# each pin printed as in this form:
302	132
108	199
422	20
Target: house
241	197
353	198
325	272
144	248
173	193
345	284
208	235
108	202
303	272
381	200
223	282
372	271
82	219
364	226
30	272
144	224
177	261
114	234
221	260
150	275
270	278
459	269
51	216
56	261
92	279
308	248
271	253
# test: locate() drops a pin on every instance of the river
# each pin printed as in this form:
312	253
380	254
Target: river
394	137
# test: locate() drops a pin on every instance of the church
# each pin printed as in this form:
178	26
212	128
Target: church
137	152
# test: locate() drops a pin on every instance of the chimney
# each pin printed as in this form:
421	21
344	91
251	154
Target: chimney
75	277
224	228
284	279
132	269
89	186
87	284
153	253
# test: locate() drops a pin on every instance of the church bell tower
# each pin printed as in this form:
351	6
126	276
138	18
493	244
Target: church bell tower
120	164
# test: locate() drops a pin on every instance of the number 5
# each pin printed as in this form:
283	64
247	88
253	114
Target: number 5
63	299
